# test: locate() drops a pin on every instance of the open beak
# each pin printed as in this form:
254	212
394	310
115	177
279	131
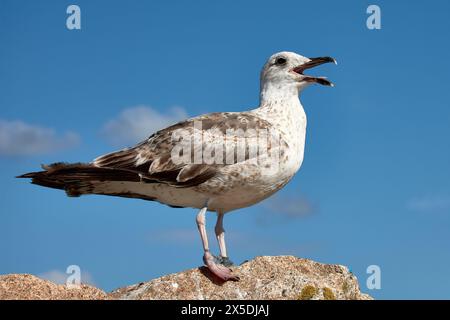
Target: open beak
313	62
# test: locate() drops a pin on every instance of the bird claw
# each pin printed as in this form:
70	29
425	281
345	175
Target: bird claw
225	261
217	268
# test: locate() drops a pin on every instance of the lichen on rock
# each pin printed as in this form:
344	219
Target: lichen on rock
307	293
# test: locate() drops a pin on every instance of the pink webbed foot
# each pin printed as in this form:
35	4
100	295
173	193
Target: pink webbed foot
219	270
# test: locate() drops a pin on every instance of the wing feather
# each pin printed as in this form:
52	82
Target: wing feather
152	159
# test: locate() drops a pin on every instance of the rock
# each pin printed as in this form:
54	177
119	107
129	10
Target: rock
280	277
29	287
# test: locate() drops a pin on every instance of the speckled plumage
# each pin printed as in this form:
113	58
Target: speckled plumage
223	187
189	164
148	170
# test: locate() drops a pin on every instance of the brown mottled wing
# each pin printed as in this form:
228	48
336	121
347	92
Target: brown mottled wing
152	159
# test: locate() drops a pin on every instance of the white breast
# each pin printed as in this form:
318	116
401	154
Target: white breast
245	184
289	118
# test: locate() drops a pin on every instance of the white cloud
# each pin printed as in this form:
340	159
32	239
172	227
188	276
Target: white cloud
430	203
181	236
285	208
60	277
187	236
18	138
137	123
290	206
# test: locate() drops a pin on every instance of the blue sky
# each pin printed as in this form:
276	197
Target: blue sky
376	170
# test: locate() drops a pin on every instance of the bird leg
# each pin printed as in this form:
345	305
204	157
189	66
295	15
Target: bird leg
220	235
211	262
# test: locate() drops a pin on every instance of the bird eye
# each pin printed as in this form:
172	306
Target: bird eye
280	61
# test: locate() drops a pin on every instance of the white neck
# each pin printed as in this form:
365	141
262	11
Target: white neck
280	100
281	106
274	93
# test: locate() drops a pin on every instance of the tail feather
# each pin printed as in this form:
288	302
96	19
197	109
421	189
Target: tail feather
78	178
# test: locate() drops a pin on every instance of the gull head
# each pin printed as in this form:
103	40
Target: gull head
284	71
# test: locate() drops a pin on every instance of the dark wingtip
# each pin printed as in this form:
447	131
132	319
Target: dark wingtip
26	175
45	167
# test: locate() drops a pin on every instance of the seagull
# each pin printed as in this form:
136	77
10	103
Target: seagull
216	162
